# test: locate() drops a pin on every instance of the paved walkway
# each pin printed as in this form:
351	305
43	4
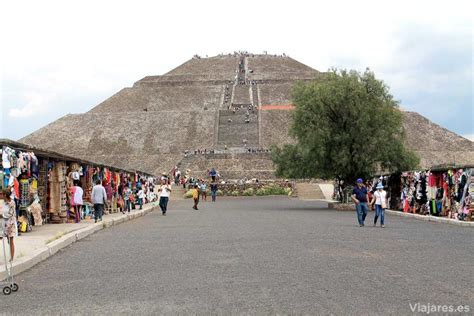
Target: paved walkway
263	255
41	236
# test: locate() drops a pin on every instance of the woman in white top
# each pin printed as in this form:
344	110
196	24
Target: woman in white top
380	200
10	229
164	190
78	193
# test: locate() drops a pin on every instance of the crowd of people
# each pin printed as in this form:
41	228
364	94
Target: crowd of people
128	196
198	186
227	94
248	108
258	150
246	149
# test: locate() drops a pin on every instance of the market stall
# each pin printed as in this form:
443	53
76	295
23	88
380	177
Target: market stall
44	184
439	191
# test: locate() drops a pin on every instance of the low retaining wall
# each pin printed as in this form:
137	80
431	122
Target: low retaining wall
430	218
229	189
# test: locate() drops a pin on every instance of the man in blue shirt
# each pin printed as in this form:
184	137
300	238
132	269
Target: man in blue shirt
360	198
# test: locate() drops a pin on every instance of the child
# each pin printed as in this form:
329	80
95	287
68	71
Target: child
196	196
380	200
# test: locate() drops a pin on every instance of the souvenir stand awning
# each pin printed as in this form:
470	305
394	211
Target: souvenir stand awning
46	175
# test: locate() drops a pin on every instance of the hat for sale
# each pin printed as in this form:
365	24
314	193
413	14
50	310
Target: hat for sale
75	175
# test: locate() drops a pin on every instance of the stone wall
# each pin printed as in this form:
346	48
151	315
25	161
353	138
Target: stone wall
275	94
229	188
275	125
163	98
231	166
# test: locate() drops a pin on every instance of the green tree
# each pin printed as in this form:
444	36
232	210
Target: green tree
347	126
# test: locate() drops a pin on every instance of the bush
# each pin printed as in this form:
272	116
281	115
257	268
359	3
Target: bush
188	194
261	192
274	190
249	192
235	193
220	193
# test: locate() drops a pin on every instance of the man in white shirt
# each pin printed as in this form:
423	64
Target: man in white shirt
99	198
164	190
141	197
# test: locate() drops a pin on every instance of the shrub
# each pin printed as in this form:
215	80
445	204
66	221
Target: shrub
249	192
235	193
274	190
220	193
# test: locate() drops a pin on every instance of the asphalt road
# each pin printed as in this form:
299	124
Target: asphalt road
258	256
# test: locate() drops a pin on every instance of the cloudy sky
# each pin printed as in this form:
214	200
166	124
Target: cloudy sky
61	57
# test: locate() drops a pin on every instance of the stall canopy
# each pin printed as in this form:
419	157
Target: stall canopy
54	155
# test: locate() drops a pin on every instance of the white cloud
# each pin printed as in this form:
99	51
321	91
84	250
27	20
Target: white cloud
35	104
73	55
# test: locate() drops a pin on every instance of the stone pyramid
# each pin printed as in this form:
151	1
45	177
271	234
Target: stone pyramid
227	103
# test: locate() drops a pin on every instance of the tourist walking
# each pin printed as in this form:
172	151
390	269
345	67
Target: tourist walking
203	188
380	201
99	199
165	190
213	174
77	194
127	192
141	197
360	198
10	228
214	191
195	192
177	177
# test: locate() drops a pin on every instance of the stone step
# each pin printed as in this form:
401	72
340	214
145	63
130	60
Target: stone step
177	192
309	191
